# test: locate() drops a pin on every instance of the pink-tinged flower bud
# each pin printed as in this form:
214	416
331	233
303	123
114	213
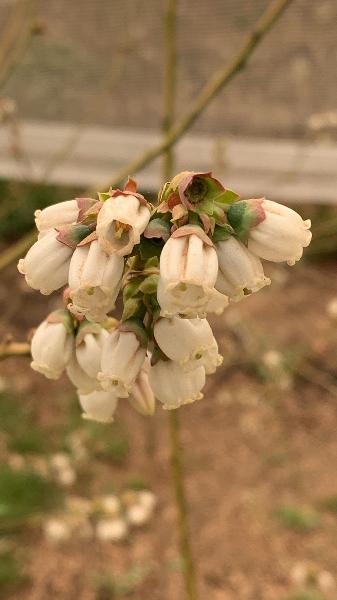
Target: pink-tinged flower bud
52	345
173	386
188	272
120	223
88	347
94	281
240	271
123	355
46	264
80	379
142	398
98	406
281	236
190	342
57	215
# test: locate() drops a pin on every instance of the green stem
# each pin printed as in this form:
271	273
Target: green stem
189	571
177	453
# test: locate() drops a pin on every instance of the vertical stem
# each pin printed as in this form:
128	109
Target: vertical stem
184	535
170	64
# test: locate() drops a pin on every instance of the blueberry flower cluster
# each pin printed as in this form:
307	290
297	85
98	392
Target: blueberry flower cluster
170	265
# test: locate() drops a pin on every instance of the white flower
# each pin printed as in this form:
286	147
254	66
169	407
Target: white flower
112	530
138	515
122	359
89	344
99	406
57	215
240	271
189	342
57	530
142	398
46	264
173	386
94	281
80	379
51	348
120	223
281	236
188	272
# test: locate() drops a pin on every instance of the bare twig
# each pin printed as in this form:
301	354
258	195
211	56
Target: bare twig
207	94
8	349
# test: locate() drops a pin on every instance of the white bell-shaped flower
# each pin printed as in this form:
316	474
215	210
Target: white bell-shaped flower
240	271
52	347
122	358
173	386
188	272
98	406
80	379
142	398
190	342
281	236
94	281
89	344
46	264
57	215
120	223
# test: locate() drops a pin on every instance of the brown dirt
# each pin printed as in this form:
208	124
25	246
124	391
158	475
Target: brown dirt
250	448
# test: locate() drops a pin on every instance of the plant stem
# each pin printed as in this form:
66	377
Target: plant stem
207	94
182	506
177	453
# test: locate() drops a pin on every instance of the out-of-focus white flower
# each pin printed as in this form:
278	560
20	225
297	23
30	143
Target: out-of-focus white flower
142	398
52	345
80	379
62	213
240	271
99	405
122	358
120	223
281	235
148	499
188	272
189	342
62	468
57	530
109	504
46	264
94	281
89	343
138	515
112	530
173	386
331	308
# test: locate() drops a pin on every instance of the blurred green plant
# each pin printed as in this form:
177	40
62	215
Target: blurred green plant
307	595
12	573
329	504
24	494
297	518
108	587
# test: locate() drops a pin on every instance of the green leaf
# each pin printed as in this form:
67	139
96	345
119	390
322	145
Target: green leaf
151	263
149	285
149	249
103	196
132	288
133	307
226	197
158	228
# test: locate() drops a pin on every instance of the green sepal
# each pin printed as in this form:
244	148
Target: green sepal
62	316
136	326
149	285
244	215
222	232
158	229
72	235
226	197
103	196
86	327
133	307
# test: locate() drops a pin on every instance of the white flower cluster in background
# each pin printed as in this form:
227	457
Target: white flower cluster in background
171	264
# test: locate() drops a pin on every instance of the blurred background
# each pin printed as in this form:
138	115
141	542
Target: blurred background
86	511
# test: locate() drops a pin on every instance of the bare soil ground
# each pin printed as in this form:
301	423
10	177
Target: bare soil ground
254	444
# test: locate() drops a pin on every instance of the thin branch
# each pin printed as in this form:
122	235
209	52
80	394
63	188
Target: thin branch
8	349
207	94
